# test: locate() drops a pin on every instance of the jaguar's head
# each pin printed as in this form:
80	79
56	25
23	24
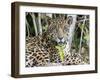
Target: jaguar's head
59	29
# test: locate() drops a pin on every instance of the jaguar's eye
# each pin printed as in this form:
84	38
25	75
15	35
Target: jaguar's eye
66	29
52	28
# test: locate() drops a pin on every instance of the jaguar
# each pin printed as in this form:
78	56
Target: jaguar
41	50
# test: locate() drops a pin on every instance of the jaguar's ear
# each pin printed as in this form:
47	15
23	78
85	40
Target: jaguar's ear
69	20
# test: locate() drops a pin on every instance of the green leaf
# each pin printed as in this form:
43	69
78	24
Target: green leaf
61	51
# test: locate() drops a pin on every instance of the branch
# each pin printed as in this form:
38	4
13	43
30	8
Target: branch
27	26
82	20
80	45
39	21
34	22
71	30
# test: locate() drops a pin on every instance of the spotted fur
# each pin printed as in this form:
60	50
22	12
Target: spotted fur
41	51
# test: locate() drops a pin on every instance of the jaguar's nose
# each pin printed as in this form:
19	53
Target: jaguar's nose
60	38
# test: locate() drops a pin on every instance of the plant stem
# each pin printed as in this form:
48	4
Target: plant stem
34	22
71	30
80	45
39	21
27	27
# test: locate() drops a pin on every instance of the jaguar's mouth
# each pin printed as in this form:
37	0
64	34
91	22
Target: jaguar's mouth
61	43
